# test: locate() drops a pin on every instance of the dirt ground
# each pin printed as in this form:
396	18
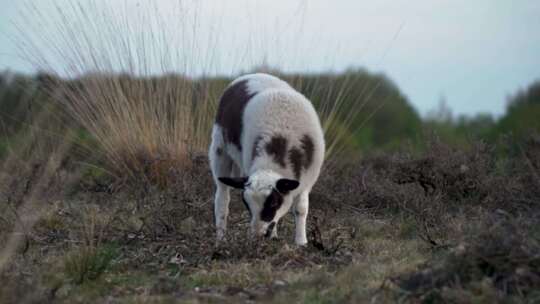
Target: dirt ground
448	225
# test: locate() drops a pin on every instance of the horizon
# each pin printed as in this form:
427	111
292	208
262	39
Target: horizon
473	55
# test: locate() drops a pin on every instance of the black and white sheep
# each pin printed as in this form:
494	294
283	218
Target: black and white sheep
267	140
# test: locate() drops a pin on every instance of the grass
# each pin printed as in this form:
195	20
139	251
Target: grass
143	125
90	259
88	263
374	246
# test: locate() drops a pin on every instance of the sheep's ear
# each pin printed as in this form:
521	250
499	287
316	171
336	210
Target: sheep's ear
286	185
235	182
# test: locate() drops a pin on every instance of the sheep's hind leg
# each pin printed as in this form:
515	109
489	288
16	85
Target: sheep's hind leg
300	215
221	165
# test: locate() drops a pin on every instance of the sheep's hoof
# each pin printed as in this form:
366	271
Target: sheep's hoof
301	243
220	239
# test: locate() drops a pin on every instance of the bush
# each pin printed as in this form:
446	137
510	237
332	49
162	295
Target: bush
87	263
501	256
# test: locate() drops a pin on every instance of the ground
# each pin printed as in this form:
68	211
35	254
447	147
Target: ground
444	226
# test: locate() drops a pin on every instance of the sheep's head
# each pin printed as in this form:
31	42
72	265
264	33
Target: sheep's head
266	195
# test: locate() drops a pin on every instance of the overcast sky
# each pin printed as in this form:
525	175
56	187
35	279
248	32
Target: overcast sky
474	53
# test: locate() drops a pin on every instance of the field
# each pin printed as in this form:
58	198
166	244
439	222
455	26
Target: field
106	195
444	225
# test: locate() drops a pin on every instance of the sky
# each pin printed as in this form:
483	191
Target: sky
472	54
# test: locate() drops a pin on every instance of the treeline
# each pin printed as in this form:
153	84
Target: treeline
522	118
370	108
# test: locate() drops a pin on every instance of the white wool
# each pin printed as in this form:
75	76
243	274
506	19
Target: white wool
259	82
262	181
266	114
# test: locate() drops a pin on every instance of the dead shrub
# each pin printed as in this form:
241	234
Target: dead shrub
435	186
500	253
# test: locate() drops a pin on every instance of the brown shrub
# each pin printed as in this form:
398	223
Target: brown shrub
500	253
436	186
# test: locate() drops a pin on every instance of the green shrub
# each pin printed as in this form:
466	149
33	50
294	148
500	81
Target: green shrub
87	263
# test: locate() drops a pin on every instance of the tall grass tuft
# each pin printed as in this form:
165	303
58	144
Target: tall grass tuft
123	89
144	127
105	63
91	258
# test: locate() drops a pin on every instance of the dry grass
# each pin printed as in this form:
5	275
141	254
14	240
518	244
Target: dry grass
336	116
366	234
90	258
146	125
143	125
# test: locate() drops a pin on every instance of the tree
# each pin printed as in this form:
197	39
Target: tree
523	113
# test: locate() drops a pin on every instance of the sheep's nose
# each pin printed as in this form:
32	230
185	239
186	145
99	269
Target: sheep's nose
262	229
258	230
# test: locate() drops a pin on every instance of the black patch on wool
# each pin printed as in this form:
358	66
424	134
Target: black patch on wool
277	147
302	157
230	111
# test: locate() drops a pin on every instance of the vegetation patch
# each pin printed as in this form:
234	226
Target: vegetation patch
88	263
500	259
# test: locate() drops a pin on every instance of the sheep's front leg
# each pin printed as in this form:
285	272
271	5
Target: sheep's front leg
300	213
274	235
221	210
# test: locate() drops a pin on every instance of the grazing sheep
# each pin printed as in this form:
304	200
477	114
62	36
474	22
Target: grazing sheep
267	140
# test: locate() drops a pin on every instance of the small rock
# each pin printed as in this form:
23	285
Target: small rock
460	249
177	259
279	283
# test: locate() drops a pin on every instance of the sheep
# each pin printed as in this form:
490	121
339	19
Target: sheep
267	140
